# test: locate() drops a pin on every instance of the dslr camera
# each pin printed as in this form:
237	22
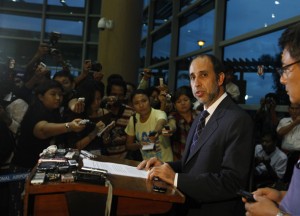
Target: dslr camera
53	40
96	67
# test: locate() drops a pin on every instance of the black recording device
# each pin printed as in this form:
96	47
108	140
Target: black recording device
96	67
53	40
90	176
247	195
159	186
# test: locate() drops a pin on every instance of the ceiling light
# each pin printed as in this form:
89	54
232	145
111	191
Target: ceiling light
277	2
273	15
201	43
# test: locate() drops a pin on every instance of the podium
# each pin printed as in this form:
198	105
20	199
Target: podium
131	196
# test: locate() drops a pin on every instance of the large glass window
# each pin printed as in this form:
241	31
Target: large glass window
71	29
93	31
142	53
246	57
162	12
21	51
161	46
182	76
20	25
159	72
70	7
35	5
24	24
145	24
195	28
245	16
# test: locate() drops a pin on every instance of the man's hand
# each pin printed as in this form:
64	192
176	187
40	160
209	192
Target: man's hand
148	164
76	106
262	207
270	193
163	172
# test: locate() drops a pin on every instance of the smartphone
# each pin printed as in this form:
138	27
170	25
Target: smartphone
38	178
159	186
247	195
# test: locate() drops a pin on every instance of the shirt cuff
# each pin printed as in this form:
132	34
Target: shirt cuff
176	179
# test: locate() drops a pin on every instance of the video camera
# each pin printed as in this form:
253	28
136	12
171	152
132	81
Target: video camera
53	40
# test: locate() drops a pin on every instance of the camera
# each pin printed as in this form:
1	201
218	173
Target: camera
53	40
96	67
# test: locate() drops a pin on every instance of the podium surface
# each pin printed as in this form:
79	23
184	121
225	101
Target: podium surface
131	196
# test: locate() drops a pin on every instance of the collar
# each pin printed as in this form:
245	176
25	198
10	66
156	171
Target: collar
214	106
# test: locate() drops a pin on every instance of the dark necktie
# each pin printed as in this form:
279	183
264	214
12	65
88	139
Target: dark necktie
200	126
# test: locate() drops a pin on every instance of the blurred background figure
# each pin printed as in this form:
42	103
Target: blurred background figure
266	118
231	88
289	130
270	161
181	119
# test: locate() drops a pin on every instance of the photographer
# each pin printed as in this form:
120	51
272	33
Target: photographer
90	71
266	118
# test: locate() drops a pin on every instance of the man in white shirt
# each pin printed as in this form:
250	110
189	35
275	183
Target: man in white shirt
270	161
289	129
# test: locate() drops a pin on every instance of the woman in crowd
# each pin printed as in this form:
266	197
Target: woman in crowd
42	125
146	126
181	119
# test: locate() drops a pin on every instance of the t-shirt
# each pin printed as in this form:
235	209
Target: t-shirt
291	141
162	149
278	161
29	146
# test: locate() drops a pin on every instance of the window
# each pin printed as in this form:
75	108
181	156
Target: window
194	28
20	25
245	16
161	45
23	24
70	29
246	56
162	12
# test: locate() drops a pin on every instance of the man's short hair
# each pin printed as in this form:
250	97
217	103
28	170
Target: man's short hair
217	64
290	39
116	82
64	73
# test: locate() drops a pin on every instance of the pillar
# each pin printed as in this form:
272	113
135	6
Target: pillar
119	47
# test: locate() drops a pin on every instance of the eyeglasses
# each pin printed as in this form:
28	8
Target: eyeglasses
282	71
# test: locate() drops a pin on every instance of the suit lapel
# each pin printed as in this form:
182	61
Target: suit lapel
207	131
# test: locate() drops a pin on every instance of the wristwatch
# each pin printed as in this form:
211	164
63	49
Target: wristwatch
281	213
67	126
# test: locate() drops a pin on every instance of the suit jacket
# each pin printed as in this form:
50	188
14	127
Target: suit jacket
220	165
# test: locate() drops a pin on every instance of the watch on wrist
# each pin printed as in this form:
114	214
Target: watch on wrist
281	213
67	125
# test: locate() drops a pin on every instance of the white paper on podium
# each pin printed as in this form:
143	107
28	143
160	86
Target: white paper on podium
113	168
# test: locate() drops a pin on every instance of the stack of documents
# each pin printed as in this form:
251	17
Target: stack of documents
113	168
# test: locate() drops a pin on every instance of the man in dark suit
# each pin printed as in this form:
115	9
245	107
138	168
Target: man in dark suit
219	163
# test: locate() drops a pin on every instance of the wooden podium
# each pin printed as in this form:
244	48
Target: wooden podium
131	196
